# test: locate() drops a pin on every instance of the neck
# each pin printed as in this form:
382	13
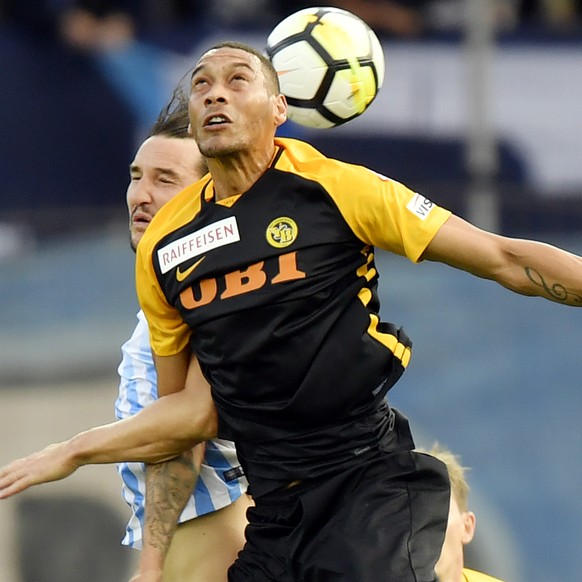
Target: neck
235	173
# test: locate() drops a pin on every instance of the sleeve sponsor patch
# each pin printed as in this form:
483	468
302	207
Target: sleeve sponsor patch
420	206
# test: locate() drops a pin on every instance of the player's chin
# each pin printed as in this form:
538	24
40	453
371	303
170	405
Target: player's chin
217	146
136	235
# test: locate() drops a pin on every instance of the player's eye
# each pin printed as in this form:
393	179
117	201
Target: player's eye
199	83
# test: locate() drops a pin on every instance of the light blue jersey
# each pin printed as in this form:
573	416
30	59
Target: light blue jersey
220	482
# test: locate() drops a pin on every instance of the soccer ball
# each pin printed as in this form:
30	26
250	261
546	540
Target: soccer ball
330	65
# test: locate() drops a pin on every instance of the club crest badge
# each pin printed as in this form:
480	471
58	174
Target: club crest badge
282	232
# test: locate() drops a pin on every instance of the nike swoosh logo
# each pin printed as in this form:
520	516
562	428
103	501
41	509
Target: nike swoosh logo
181	275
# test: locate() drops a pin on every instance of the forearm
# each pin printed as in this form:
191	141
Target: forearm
169	486
538	269
524	266
162	430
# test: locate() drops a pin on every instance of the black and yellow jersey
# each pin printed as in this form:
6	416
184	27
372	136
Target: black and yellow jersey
276	291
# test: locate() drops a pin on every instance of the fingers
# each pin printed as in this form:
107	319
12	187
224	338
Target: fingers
13	479
49	464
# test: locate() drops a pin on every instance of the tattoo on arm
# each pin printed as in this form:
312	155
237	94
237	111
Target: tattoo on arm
555	291
168	488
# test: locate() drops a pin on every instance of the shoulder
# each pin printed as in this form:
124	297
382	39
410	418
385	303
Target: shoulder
137	348
302	158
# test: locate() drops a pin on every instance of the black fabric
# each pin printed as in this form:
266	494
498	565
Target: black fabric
380	520
323	452
300	309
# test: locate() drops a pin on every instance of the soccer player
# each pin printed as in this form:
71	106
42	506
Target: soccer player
260	289
460	526
212	517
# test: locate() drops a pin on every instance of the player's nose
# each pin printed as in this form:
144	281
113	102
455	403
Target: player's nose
140	192
216	94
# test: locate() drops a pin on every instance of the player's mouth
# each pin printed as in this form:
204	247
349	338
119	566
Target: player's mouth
216	120
140	218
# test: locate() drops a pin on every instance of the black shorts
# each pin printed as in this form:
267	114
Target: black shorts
379	521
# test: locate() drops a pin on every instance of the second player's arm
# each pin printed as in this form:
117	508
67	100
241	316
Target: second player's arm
162	430
169	485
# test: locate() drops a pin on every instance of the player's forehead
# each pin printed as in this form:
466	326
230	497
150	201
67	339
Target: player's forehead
160	151
156	145
227	57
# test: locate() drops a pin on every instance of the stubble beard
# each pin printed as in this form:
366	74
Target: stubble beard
218	151
219	148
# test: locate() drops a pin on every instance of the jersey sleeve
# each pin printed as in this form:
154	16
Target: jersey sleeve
169	334
384	213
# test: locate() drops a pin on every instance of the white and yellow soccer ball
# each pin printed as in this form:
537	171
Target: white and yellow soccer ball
330	65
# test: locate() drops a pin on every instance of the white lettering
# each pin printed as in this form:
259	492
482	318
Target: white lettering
221	233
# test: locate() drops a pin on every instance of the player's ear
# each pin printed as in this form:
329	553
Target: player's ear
190	130
469	523
280	105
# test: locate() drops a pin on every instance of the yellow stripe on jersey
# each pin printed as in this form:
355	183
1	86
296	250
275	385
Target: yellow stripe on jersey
400	351
364	270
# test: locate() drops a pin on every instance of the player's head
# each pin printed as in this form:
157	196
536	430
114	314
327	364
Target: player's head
269	72
235	102
461	521
165	163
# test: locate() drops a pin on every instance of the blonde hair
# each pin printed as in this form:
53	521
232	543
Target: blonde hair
459	486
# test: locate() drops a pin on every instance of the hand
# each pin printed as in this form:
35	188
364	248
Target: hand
50	464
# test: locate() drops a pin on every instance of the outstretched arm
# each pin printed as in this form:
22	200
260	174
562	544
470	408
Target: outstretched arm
162	430
524	266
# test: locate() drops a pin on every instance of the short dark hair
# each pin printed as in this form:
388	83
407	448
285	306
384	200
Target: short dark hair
266	64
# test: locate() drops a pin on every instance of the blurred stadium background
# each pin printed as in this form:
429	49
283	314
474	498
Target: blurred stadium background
481	111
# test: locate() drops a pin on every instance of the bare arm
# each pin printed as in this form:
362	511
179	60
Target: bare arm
162	430
169	485
524	266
